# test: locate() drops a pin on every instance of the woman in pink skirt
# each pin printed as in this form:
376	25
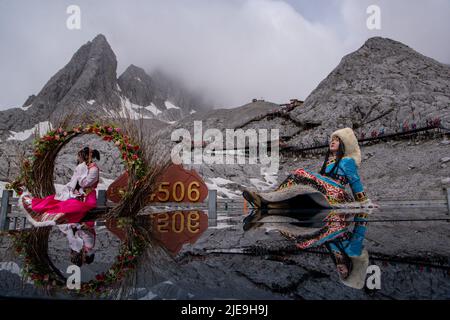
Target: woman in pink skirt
71	204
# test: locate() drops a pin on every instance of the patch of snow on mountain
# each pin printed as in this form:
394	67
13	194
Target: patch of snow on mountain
153	109
132	110
170	105
41	128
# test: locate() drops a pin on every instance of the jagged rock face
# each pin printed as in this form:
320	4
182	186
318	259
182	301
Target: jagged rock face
10	154
136	85
167	88
87	85
29	101
383	84
222	119
90	75
14	120
168	100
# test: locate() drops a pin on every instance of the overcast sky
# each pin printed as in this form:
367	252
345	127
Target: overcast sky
230	50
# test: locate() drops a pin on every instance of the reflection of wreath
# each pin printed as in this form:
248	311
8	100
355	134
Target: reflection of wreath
39	268
37	265
125	262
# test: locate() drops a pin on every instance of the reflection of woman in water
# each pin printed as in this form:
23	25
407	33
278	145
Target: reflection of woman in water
81	237
74	201
339	169
345	245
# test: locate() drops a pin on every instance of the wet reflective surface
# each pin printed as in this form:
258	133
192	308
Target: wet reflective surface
242	254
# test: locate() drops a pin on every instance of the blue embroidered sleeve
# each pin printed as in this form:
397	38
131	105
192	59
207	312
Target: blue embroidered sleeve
351	172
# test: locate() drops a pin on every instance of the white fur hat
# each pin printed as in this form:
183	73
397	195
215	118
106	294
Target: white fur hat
357	277
350	141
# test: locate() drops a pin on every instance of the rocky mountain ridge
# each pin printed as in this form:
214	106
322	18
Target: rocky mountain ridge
88	84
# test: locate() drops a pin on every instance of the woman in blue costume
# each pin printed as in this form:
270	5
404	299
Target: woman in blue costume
339	169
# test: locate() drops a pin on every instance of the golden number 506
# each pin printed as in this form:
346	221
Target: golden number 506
178	192
178	222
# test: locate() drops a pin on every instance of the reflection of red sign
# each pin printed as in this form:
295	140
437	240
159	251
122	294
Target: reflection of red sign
111	225
176	228
175	185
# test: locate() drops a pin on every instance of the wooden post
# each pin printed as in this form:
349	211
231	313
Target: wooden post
212	204
5	209
101	198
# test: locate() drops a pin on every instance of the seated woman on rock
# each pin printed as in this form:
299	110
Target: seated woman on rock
323	189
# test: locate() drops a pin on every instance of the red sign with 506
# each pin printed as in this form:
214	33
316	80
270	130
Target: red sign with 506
175	185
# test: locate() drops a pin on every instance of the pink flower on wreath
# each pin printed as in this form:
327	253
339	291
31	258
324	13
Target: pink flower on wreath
135	157
117	143
118	130
110	130
57	137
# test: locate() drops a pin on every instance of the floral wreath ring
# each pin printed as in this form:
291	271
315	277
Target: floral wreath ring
36	175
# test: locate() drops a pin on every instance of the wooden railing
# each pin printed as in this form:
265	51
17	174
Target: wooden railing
12	218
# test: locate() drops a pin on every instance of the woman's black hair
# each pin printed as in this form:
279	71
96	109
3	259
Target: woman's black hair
341	257
89	259
84	153
76	258
339	155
